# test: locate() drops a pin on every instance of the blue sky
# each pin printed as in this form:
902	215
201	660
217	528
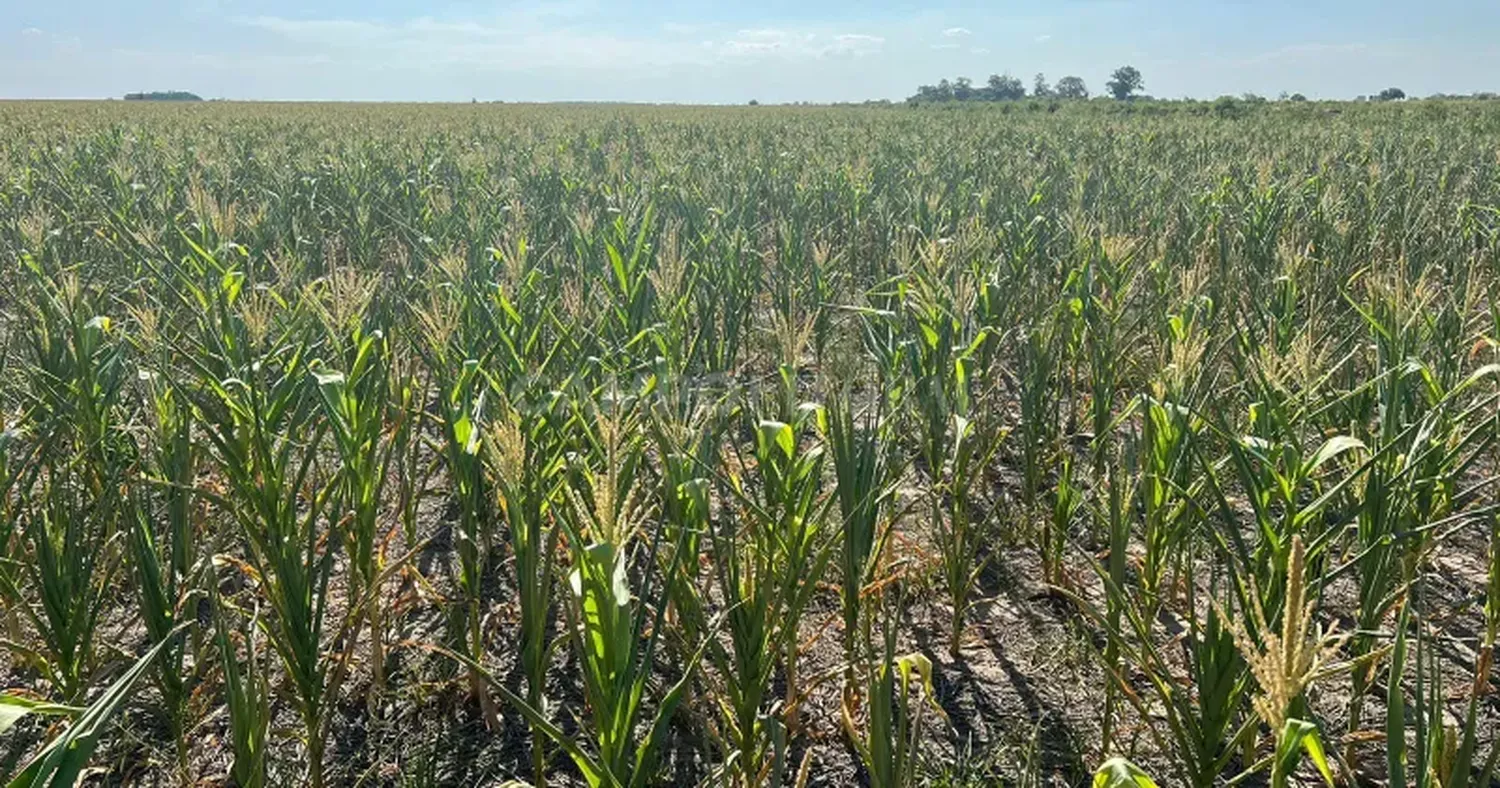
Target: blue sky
771	50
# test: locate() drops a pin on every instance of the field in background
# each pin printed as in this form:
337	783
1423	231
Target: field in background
442	445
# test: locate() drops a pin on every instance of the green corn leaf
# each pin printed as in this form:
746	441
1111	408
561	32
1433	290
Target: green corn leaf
13	708
231	284
775	433
592	771
1299	737
1332	448
1395	731
1120	773
463	432
59	764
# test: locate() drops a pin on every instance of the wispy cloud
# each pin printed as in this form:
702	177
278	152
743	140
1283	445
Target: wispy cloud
216	61
858	41
1044	38
980	50
795	45
946	46
1305	51
533	41
426	42
958	32
37	37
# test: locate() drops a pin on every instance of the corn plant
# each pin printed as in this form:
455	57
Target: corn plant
266	435
166	558
1406	493
63	760
1067	500
954	446
688	436
246	694
746	577
462	392
958	536
1035	386
1444	754
69	512
523	471
766	559
1168	489
1285	494
77	382
1205	728
8	477
863	490
1118	488
940	356
70	567
1286	661
413	473
788	520
612	627
899	692
364	420
1102	285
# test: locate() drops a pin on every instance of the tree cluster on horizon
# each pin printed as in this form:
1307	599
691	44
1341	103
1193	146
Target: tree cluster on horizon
1124	83
163	95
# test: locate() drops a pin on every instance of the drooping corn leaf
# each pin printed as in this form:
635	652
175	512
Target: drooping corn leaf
13	708
1120	773
60	763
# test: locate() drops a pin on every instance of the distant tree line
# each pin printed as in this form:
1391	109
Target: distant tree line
1483	95
1123	84
163	95
999	87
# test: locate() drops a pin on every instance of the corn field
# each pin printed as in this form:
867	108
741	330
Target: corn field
628	446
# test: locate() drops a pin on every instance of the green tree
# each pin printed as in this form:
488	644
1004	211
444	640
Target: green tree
163	95
1004	87
1125	82
963	89
1071	88
1391	94
1039	86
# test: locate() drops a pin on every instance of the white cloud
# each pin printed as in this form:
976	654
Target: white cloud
1044	38
957	32
945	46
857	43
795	45
766	41
31	32
980	50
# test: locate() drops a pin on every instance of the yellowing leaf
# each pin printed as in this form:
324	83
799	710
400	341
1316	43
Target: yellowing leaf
1120	773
